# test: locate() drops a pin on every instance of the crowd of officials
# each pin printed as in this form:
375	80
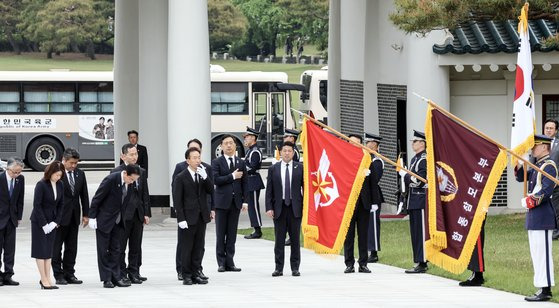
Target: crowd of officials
220	191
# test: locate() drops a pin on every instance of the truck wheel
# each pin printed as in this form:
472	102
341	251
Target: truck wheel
42	152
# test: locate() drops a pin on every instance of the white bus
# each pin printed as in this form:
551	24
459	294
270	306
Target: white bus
42	113
315	93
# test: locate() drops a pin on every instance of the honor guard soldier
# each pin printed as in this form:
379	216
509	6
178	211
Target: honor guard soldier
377	168
540	219
253	162
416	202
291	135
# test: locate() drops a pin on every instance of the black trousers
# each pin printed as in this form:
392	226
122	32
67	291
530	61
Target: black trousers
360	219
373	236
108	253
63	265
178	258
8	249
555	202
477	262
192	245
254	209
226	222
132	236
417	232
287	223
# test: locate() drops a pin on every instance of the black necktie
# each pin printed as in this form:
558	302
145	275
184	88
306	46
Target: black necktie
231	165
196	180
287	186
71	181
124	193
11	188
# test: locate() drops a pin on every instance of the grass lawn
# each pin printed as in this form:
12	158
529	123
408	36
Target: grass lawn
39	62
507	255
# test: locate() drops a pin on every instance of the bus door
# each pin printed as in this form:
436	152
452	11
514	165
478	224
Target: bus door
269	118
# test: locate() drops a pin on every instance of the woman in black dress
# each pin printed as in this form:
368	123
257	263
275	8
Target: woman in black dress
46	216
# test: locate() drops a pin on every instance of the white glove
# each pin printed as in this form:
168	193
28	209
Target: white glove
367	172
374	207
183	224
523	203
46	229
93	223
52	226
402	173
202	172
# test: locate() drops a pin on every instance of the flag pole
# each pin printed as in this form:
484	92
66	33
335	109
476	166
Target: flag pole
359	145
479	133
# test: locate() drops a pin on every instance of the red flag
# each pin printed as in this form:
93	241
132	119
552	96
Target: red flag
334	171
463	170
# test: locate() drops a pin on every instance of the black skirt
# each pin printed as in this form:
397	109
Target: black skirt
41	244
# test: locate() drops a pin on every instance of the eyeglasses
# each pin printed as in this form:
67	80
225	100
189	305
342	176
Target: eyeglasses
14	172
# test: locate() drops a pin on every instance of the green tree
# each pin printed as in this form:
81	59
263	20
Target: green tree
307	19
9	18
226	24
422	16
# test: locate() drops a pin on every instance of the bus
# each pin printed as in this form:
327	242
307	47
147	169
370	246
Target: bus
42	113
315	93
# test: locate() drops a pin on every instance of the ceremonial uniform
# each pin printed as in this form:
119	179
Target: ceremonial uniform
377	169
416	205
540	222
253	161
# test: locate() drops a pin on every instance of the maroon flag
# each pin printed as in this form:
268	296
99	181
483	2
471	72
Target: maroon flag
463	170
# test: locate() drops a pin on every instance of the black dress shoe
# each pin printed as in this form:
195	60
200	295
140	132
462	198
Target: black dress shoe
277	273
418	269
233	269
126	280
295	273
179	276
349	269
254	235
142	278
198	280
202	276
135	279
373	258
10	282
1	282
61	281
122	283
364	269
475	280
288	242
187	281
108	284
540	296
73	280
221	269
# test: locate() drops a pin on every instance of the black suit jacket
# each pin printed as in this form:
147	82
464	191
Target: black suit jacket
227	189
46	209
180	167
274	189
140	201
73	211
11	208
142	157
190	199
107	202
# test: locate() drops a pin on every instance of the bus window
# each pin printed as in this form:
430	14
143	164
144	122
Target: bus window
9	97
96	97
229	98
278	116
49	97
323	93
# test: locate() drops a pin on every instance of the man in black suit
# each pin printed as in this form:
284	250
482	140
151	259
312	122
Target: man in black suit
361	219
550	129
74	213
12	191
230	196
136	215
142	151
180	167
106	216
190	191
284	203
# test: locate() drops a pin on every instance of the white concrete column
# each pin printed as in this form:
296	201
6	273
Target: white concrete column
188	78
334	64
125	71
153	95
426	78
370	60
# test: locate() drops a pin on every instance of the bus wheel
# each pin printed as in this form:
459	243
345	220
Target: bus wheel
42	152
216	148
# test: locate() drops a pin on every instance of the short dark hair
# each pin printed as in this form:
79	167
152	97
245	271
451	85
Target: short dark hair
102	118
132	169
53	168
228	136
552	121
288	144
70	153
126	147
109	120
357	136
195	141
132	132
190	150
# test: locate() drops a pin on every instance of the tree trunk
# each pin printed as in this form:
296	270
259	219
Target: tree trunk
49	54
14	43
75	48
90	50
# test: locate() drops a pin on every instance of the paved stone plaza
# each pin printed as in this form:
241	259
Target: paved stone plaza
322	281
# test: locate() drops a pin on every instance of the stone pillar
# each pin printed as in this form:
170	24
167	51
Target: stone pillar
153	95
125	71
371	58
334	64
188	79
